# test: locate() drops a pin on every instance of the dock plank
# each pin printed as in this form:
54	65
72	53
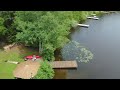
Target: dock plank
63	64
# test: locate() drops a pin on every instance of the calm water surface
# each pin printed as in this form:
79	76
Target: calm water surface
103	40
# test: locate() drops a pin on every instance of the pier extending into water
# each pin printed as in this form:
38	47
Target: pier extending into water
83	25
64	64
94	18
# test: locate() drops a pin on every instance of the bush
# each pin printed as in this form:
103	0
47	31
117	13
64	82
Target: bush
45	71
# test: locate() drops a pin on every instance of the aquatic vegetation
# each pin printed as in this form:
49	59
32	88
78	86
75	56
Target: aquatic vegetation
74	51
85	55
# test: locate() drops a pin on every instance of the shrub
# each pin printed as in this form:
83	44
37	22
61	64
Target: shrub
45	71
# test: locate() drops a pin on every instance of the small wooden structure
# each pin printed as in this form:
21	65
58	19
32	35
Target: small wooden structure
105	12
108	12
83	25
94	18
63	64
26	70
112	11
93	14
14	62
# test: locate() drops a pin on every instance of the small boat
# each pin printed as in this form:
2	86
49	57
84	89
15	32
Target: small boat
32	57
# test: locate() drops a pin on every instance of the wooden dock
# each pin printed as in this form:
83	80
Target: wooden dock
108	12
94	18
83	25
93	14
112	11
63	64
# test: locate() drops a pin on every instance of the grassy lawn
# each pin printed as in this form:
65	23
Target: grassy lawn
6	70
15	54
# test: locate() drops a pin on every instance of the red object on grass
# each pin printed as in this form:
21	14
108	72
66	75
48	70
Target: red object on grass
31	57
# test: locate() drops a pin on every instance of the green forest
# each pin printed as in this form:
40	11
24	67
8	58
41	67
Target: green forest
46	30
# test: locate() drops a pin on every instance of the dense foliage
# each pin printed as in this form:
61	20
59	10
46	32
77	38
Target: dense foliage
47	30
7	29
45	71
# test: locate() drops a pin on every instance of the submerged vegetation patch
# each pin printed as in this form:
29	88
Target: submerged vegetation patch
75	51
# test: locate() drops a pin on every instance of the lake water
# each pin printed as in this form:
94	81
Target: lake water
102	38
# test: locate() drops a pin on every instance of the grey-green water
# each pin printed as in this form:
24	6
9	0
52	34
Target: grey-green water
103	40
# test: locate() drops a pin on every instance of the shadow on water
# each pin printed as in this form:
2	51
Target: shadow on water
62	73
59	73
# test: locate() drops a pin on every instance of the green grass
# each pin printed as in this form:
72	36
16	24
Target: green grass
6	70
11	56
15	54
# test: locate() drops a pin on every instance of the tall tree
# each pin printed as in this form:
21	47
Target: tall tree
43	29
47	30
7	30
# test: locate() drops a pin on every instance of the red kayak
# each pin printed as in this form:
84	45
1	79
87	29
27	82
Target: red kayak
31	57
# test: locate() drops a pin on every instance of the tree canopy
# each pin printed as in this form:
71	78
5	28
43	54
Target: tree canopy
47	30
